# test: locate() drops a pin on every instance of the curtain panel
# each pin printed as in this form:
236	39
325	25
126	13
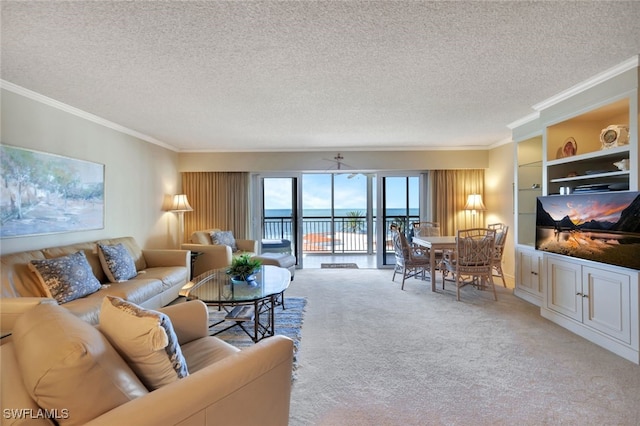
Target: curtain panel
449	191
219	200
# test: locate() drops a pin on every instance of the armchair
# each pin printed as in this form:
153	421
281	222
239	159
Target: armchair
209	255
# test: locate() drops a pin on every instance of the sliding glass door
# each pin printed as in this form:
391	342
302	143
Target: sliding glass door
337	213
400	202
278	216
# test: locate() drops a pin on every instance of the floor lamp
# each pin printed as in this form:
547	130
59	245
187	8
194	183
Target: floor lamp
475	204
179	205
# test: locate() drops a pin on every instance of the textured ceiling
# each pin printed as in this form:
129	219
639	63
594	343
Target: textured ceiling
282	76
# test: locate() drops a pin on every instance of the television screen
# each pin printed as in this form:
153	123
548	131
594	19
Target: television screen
602	226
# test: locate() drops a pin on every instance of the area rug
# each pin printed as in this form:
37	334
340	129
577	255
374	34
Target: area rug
338	266
288	322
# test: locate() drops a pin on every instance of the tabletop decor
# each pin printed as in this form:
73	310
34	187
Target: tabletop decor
244	268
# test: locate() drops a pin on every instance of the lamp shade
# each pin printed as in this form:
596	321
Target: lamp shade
180	204
474	202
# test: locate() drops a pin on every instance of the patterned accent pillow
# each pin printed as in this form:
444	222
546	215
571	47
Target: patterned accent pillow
145	339
66	278
225	238
117	262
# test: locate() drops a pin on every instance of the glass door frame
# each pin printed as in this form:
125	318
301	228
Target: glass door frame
423	208
257	211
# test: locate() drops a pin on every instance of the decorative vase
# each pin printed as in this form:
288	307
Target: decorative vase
239	279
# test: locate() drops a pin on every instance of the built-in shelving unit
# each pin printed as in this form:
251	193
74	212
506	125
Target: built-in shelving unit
592	168
529	187
595	300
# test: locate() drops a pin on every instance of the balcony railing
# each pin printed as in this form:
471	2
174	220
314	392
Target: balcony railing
340	234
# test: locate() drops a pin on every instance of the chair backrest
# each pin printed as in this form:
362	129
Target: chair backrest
426	229
475	247
501	238
400	244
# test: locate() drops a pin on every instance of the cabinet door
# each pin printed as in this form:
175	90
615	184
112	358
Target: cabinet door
528	278
564	288
606	304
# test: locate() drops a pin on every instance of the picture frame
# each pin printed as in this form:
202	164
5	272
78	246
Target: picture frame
42	193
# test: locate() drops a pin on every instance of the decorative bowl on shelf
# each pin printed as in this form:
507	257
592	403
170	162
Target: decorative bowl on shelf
568	149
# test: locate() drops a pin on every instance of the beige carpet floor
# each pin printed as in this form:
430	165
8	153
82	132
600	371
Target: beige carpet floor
372	354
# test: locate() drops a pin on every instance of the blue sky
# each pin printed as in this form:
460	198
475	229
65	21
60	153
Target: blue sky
350	193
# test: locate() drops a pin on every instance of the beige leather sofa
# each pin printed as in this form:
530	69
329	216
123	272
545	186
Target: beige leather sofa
161	275
56	365
213	256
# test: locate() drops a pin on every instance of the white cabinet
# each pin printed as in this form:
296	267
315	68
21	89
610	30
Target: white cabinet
564	287
606	300
528	270
558	150
600	303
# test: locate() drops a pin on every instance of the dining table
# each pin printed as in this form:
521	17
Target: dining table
434	244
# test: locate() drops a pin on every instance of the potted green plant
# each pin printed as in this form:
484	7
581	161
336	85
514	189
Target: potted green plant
243	268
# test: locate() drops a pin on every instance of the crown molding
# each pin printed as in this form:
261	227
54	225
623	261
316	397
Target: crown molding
500	143
629	64
524	120
11	87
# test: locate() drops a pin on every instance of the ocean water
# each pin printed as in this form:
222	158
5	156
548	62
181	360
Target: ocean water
337	212
318	221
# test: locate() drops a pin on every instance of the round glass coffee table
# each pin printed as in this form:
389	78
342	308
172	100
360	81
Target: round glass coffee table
244	302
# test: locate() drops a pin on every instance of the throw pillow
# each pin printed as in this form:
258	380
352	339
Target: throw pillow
66	278
224	238
145	339
117	262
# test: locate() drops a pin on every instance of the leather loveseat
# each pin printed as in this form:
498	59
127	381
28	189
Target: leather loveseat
58	366
161	274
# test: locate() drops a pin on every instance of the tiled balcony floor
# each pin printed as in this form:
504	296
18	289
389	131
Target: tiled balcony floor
364	261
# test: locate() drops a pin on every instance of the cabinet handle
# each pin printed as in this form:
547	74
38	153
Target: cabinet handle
585	295
534	273
579	294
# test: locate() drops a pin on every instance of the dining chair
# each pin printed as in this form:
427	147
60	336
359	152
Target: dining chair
410	261
426	229
472	260
501	238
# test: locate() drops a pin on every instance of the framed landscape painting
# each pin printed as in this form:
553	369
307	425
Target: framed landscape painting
43	193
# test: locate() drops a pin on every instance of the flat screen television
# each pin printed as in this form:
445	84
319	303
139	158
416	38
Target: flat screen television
600	226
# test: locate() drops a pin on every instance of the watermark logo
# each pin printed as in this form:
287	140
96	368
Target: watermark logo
31	413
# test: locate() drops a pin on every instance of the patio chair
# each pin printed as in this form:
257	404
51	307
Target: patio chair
501	238
410	261
472	261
